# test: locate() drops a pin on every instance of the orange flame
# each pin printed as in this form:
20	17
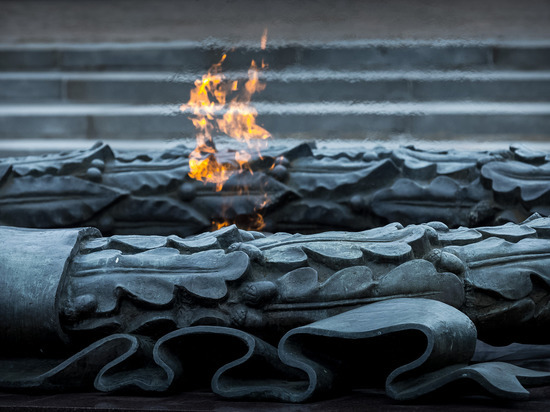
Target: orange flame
257	222
263	42
239	121
207	100
219	105
254	222
208	169
218	225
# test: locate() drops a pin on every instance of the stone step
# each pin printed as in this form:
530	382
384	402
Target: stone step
342	55
282	86
437	119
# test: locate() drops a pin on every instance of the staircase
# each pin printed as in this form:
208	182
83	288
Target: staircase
357	90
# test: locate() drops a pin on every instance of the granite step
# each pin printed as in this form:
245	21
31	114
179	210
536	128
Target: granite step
282	86
435	119
357	89
186	56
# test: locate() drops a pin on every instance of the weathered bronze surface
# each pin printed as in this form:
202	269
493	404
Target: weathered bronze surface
298	190
282	317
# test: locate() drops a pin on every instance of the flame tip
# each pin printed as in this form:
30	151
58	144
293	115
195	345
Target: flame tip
263	42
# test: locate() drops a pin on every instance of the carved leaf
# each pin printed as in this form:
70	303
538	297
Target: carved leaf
53	201
459	237
518	180
191	245
153	276
60	163
527	155
419	278
425	164
506	268
142	178
445	156
298	283
5	170
443	199
338	250
510	232
349	283
541	225
325	175
136	244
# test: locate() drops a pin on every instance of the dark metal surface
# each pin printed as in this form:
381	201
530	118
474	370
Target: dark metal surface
282	317
298	189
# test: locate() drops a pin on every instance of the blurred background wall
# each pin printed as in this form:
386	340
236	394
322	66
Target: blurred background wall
471	72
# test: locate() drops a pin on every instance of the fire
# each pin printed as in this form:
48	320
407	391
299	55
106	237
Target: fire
208	169
257	222
221	106
253	222
263	42
239	121
218	225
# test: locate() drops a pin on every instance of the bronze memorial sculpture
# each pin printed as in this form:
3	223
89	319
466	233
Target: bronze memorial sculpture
296	189
285	317
438	248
